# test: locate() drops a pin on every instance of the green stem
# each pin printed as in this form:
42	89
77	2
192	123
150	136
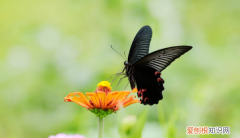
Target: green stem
100	127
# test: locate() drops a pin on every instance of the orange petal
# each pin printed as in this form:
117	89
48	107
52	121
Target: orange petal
102	96
68	97
95	100
78	101
135	90
111	105
131	102
105	100
89	94
124	97
128	101
113	93
99	96
130	98
120	96
110	97
83	99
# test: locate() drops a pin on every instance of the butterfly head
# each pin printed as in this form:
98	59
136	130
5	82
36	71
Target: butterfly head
127	63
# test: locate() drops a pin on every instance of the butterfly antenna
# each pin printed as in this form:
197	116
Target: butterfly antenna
125	55
117	52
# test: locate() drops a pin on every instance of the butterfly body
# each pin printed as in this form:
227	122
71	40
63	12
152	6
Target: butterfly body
144	70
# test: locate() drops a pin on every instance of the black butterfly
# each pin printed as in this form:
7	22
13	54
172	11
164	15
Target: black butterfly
145	69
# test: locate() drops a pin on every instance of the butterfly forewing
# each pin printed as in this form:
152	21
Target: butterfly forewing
162	58
140	44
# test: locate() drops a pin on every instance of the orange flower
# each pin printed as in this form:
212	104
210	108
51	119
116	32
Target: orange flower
103	102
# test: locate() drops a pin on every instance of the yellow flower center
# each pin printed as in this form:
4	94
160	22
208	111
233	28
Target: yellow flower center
104	86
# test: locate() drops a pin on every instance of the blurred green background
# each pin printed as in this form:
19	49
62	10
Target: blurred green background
49	48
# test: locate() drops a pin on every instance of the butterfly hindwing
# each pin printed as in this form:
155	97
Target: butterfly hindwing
147	80
140	44
144	72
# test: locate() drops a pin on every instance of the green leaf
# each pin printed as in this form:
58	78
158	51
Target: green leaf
169	125
161	115
136	131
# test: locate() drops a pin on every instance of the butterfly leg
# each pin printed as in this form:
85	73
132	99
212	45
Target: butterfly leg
118	74
126	86
121	80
